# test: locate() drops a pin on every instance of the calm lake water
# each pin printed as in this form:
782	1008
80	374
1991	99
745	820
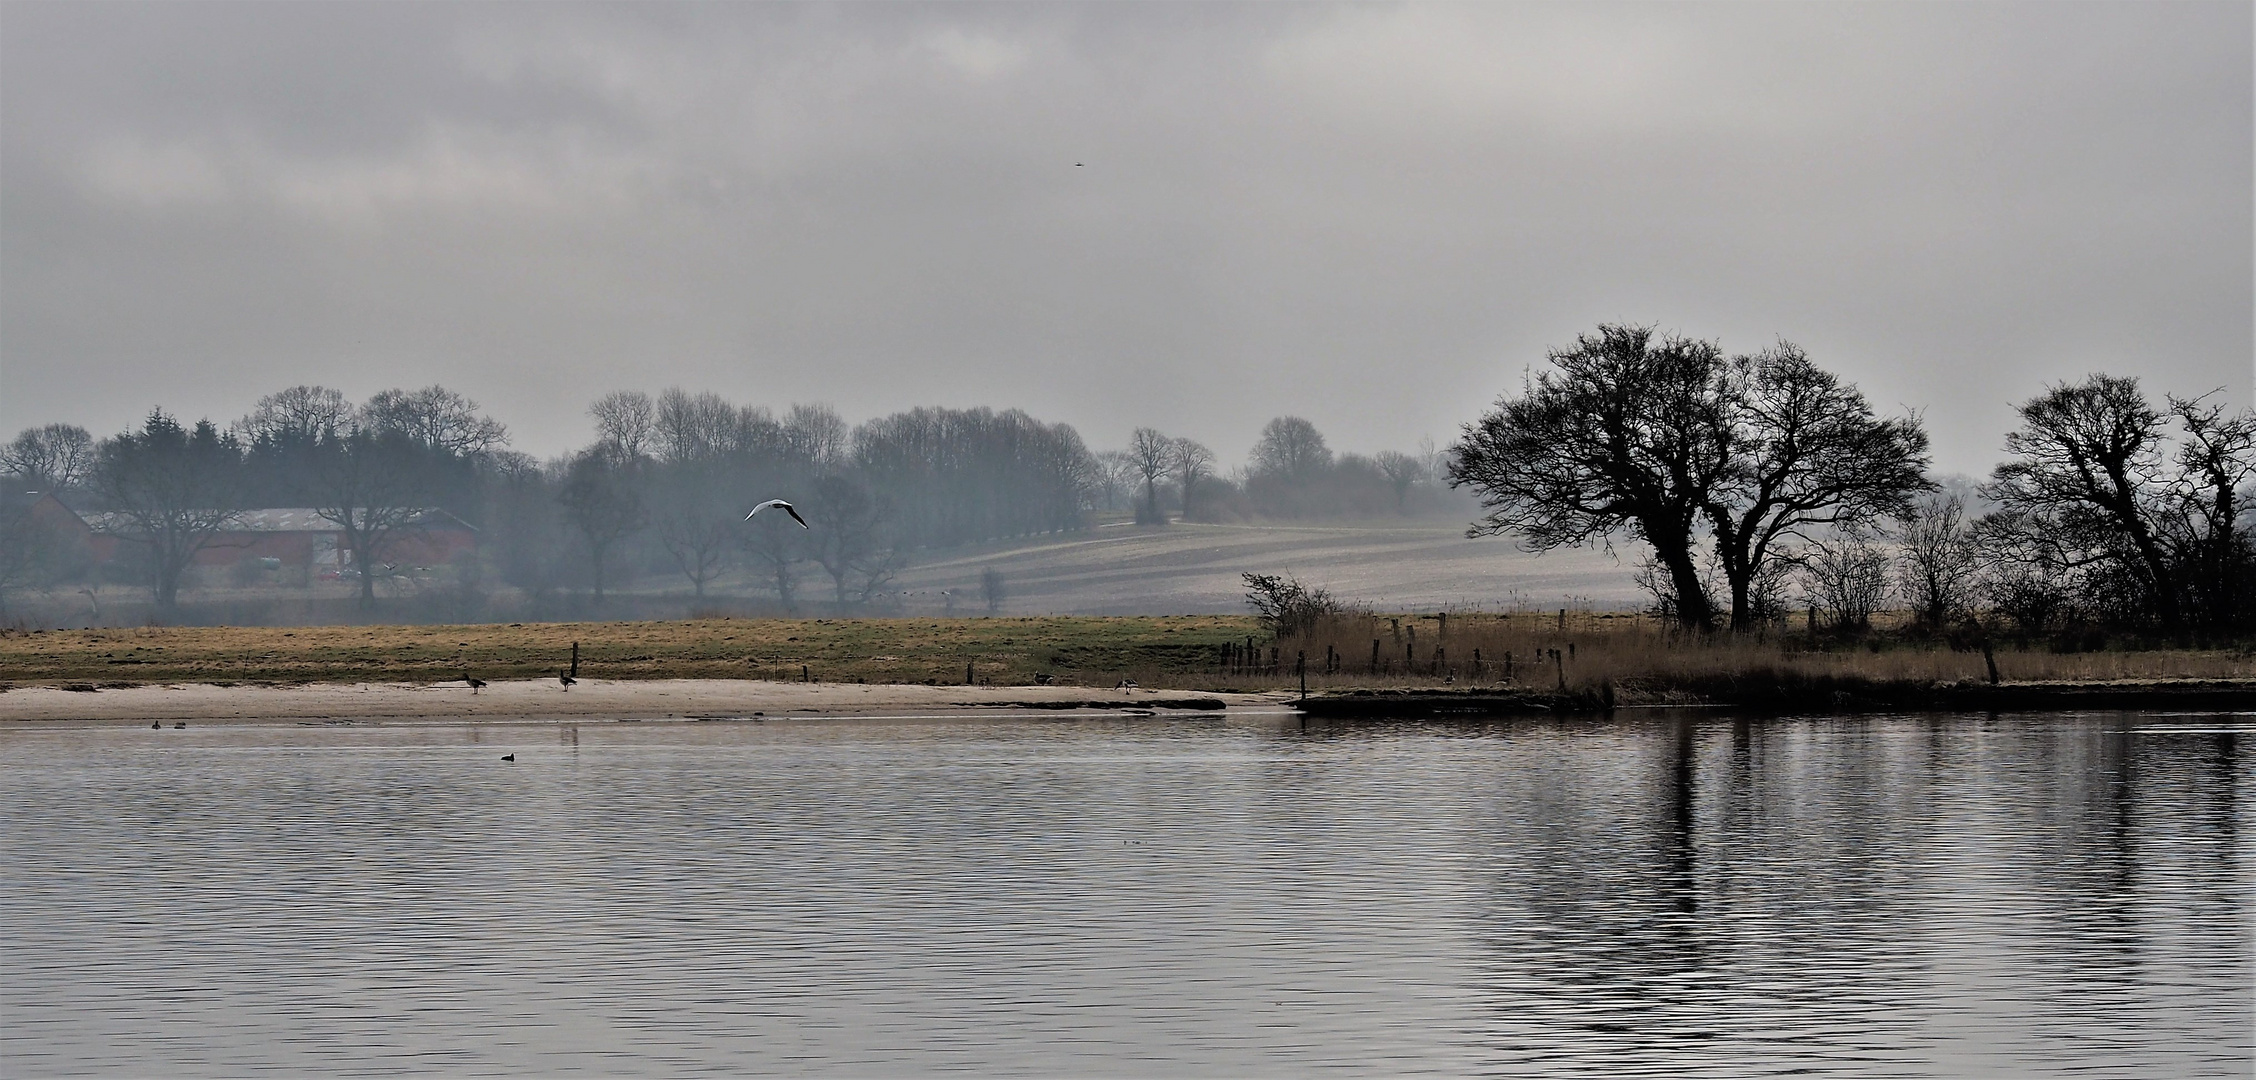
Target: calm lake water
1655	895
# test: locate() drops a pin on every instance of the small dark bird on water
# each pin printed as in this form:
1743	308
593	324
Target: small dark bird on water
475	684
156	725
180	725
508	757
567	680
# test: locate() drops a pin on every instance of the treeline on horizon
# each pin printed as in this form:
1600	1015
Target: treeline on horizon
662	490
1752	487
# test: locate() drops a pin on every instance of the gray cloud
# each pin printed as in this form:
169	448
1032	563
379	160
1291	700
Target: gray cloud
1372	216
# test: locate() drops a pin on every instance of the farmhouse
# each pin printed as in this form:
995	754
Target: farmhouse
300	537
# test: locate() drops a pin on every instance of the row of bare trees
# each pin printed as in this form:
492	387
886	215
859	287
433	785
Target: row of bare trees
1292	473
661	489
1741	476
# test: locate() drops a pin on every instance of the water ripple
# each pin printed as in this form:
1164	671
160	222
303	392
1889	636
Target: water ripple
1934	896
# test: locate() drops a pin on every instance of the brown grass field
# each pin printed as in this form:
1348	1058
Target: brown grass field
1002	651
1629	654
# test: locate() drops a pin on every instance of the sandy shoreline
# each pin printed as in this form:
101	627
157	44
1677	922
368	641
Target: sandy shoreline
545	699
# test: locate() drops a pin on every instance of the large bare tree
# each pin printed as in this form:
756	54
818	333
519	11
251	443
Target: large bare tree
373	485
1291	449
1806	454
850	536
1192	463
2137	504
1628	430
1150	455
1668	439
602	498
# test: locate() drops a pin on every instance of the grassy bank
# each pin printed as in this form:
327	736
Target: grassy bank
1584	657
1633	659
1002	651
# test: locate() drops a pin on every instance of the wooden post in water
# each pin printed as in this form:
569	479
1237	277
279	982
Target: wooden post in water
1560	660
1562	618
1374	669
805	675
575	660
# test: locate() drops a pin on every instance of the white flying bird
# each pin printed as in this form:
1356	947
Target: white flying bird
779	504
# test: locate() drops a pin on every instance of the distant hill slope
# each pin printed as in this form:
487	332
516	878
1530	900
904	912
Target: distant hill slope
1193	569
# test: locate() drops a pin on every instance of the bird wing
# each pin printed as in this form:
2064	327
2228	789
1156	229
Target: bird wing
779	504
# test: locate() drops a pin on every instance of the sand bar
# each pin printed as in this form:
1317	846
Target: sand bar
546	699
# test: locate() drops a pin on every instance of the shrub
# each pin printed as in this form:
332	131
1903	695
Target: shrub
1286	607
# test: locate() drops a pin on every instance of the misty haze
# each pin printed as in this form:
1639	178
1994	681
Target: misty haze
1533	539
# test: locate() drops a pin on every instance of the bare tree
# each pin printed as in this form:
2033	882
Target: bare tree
814	434
35	554
2216	461
436	417
2086	487
1936	560
1192	463
174	490
49	458
1149	453
1848	576
696	525
850	536
775	544
602	498
1665	436
696	427
1807	453
371	485
298	416
1401	471
1628	431
1291	449
626	420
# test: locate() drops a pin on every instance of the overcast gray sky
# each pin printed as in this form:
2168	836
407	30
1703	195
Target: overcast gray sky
1189	217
